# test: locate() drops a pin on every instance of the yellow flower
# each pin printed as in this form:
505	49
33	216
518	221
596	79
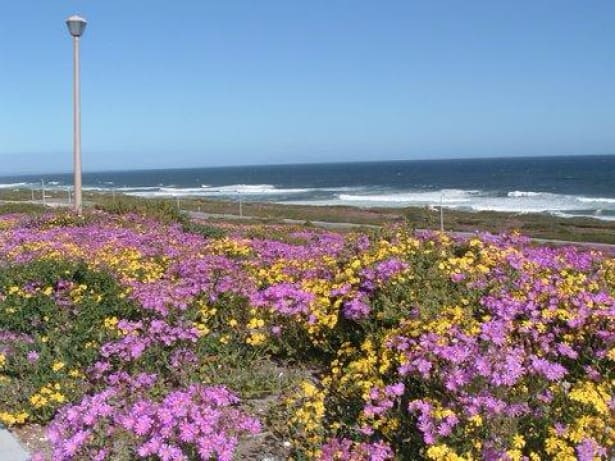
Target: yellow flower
518	442
10	419
514	455
75	374
111	322
592	394
442	452
203	330
57	365
256	338
255	323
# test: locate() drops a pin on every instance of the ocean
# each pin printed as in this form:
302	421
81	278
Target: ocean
562	186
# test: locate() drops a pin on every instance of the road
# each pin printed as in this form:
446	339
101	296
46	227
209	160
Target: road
324	224
346	226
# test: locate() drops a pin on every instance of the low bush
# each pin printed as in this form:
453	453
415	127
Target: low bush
24	208
205	230
162	210
53	319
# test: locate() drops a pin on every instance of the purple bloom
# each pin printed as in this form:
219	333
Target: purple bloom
356	309
32	356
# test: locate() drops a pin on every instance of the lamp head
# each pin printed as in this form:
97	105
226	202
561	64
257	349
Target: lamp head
76	25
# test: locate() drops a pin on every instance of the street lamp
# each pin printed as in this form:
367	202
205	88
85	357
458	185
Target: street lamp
76	27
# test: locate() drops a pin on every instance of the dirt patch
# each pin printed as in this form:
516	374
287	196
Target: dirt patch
33	438
266	446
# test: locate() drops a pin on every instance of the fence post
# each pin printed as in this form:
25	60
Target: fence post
442	212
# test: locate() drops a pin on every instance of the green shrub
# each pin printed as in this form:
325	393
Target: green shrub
205	230
162	210
60	218
26	208
53	317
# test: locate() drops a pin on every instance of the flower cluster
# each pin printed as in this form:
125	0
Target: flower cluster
518	364
422	346
198	421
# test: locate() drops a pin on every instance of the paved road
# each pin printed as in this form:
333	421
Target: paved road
341	225
325	224
10	448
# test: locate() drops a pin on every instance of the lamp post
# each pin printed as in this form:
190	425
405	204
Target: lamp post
76	27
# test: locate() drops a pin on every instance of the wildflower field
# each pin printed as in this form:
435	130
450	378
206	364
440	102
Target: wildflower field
134	338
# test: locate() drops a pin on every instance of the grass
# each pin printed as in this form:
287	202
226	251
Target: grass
27	208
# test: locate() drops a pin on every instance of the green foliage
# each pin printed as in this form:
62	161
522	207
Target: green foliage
55	312
26	208
61	218
162	210
205	230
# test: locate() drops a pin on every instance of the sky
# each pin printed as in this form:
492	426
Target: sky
207	83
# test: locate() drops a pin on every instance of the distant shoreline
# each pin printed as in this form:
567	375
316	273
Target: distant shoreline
565	186
531	224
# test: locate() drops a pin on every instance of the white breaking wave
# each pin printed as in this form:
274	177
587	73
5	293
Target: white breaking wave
174	190
117	189
232	190
520	193
127	189
259	189
596	200
562	214
447	196
513	202
14	184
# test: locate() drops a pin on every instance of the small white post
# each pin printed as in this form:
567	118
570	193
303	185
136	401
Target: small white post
178	203
32	190
442	212
240	208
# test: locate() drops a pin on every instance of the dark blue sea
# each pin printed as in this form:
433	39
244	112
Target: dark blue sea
564	186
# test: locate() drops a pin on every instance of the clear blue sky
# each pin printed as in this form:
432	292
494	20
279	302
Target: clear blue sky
204	82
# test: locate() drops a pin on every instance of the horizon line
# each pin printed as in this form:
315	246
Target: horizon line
265	165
